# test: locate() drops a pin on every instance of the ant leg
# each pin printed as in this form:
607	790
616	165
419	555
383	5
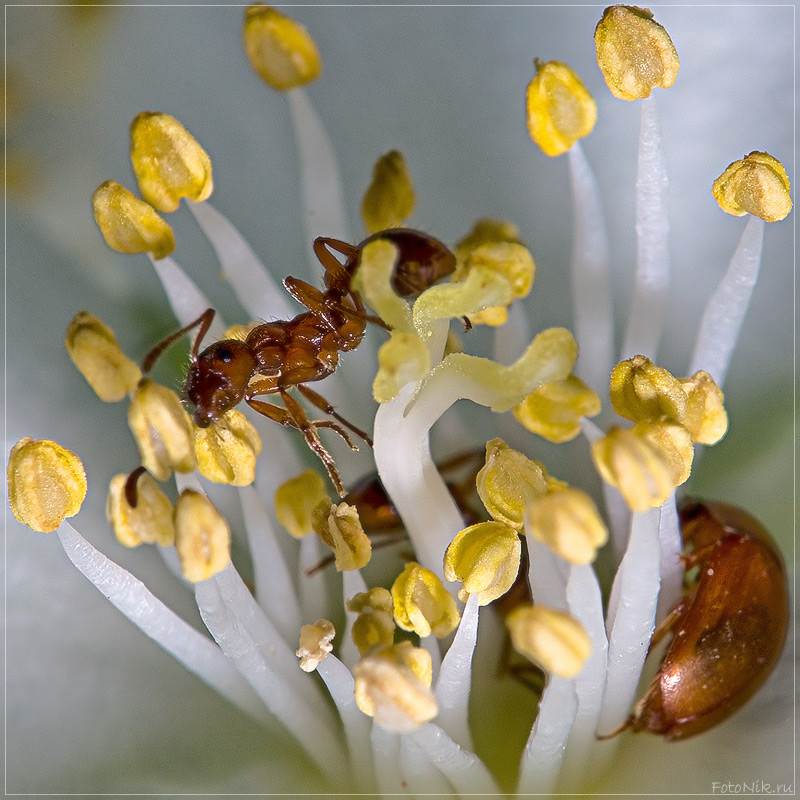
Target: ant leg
337	275
293	416
667	624
323	405
204	321
388	541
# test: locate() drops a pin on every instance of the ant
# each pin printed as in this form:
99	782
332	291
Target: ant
279	355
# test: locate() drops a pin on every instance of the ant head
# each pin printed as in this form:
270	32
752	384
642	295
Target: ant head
217	379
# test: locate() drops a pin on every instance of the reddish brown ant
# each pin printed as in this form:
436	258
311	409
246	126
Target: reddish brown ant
279	355
728	628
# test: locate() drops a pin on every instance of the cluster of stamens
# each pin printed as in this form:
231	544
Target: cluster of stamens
535	532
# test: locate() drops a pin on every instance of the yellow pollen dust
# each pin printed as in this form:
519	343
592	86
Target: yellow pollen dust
339	528
168	161
162	430
128	224
295	501
150	522
46	483
485	559
634	53
280	50
422	604
316	642
94	350
390	199
555	410
202	537
553	639
756	184
403	358
227	450
392	685
560	109
374	624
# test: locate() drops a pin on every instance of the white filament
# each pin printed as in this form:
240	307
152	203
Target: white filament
255	288
128	594
727	307
646	318
671	545
455	677
591	291
185	299
631	618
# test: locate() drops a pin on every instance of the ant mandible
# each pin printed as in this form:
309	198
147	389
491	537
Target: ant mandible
276	356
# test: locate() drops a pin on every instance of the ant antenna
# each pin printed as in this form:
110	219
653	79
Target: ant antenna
204	321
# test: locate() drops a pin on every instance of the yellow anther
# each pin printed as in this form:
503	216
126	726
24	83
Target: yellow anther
168	162
162	430
756	184
402	359
568	522
553	639
422	604
128	224
392	685
295	501
339	528
202	537
644	469
555	410
674	441
560	108
485	231
227	450
641	390
46	483
375	622
706	418
634	52
389	199
316	642
149	522
94	350
508	482
485	559
239	331
510	259
373	280
279	49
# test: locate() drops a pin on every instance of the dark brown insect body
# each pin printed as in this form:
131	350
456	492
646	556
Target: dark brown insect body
728	629
279	355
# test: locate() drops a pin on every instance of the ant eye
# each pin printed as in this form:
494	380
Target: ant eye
225	355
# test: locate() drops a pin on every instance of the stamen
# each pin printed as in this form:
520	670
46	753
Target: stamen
422	604
374	624
316	644
227	450
202	537
149	522
339	528
128	224
671	544
390	199
46	483
94	350
168	162
295	501
641	390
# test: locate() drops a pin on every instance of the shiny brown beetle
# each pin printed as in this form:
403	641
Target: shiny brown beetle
728	629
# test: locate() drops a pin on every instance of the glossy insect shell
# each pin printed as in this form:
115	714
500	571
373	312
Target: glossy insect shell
730	629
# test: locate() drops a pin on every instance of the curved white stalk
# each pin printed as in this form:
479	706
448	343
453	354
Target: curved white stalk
631	619
352	584
421	777
386	755
591	290
256	290
455	677
185	299
727	307
128	594
646	318
671	545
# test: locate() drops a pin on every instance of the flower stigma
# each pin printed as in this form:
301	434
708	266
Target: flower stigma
370	643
